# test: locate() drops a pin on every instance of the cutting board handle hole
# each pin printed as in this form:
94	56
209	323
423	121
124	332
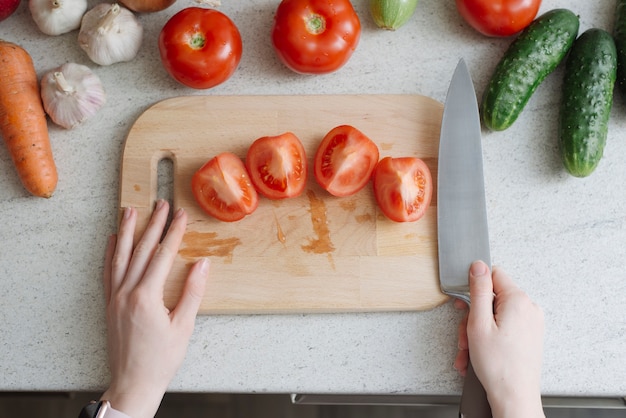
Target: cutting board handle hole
165	184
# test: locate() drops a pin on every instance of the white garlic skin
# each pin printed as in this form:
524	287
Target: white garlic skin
110	33
55	17
74	98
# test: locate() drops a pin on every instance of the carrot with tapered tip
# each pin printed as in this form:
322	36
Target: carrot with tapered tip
23	124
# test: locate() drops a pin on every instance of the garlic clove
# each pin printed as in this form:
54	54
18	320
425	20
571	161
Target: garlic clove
55	17
71	94
110	33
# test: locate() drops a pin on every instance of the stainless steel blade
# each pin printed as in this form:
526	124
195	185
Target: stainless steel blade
461	210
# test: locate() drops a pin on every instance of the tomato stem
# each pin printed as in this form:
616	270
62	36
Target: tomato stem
197	40
315	24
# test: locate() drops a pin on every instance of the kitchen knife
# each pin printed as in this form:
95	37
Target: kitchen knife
461	210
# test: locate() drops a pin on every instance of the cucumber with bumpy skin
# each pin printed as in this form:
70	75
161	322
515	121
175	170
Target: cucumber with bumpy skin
619	34
590	73
534	54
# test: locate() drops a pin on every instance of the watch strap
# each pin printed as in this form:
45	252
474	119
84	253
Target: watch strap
101	409
90	410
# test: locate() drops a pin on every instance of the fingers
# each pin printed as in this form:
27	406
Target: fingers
108	261
460	304
146	246
164	254
463	342
123	249
502	282
481	295
461	361
189	303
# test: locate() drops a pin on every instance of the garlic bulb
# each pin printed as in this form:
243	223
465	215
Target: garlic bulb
110	33
55	17
71	94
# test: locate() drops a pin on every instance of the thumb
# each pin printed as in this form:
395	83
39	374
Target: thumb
193	291
481	295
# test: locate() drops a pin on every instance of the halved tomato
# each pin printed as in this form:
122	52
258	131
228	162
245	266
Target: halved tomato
223	189
277	166
403	188
345	160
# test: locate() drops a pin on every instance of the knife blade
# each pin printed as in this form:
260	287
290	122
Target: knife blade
462	229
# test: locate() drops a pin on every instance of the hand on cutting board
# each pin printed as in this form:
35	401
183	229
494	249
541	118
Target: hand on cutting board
504	334
146	342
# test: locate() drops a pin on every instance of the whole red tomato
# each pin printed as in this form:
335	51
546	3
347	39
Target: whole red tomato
498	17
315	36
7	7
199	47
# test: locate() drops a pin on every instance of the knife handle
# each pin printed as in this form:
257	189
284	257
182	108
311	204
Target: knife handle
474	403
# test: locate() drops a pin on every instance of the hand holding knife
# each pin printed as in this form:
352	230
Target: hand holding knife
463	239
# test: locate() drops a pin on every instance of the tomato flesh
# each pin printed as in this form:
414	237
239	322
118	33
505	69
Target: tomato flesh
498	17
200	47
315	36
277	166
402	188
345	160
223	189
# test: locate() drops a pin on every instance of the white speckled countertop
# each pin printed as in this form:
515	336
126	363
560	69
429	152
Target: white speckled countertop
564	239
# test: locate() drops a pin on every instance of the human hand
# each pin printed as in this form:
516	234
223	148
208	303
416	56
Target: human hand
146	342
504	338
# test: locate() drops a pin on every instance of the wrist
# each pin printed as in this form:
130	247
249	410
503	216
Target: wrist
135	403
517	405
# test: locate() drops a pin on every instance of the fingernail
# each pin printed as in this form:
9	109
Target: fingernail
127	211
160	203
478	268
179	213
204	265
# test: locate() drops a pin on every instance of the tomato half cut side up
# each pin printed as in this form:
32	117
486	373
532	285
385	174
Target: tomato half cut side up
403	188
223	189
277	166
345	160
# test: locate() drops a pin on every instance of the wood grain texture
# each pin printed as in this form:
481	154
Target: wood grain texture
313	253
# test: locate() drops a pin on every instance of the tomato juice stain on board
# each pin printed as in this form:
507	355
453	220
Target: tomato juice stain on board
280	235
206	244
321	244
348	205
351	206
365	217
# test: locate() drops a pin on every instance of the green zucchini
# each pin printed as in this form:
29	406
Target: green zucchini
534	54
590	74
619	34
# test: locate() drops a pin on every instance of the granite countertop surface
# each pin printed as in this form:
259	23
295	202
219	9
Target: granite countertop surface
562	238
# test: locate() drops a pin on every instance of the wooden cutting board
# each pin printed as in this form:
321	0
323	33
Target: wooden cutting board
313	253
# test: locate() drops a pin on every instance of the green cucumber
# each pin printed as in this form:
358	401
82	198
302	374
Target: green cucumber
534	54
590	74
619	34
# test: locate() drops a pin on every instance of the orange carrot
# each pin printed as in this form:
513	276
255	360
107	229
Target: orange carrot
23	122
